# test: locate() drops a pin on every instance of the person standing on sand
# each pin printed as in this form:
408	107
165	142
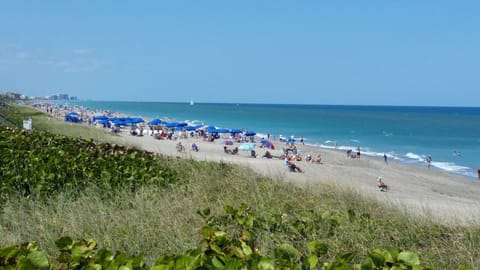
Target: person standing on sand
478	172
358	152
429	161
385	157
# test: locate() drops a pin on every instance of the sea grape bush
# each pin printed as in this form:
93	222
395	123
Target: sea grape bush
40	164
227	242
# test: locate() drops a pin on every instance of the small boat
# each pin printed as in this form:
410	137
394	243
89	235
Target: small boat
192	103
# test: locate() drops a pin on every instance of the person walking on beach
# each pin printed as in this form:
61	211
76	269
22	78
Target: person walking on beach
358	152
385	157
478	172
429	161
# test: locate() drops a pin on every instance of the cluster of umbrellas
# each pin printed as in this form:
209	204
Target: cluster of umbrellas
121	121
250	146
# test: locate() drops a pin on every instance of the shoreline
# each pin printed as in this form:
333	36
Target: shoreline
444	157
418	191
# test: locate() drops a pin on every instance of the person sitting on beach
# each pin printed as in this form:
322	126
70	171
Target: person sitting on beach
195	147
115	129
227	151
308	158
291	165
381	185
180	147
235	151
317	159
267	155
133	131
253	154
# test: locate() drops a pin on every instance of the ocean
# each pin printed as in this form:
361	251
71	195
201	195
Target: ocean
450	135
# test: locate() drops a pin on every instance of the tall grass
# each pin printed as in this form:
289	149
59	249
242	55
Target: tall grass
159	221
162	221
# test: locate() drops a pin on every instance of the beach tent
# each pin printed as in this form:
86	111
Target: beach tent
246	147
267	144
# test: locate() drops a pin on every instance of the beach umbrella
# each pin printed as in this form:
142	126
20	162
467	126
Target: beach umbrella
222	130
250	133
212	130
136	120
267	144
100	117
246	147
182	124
171	124
235	131
155	122
290	139
190	128
227	142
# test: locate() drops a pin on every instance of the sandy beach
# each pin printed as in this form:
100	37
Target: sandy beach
421	191
417	190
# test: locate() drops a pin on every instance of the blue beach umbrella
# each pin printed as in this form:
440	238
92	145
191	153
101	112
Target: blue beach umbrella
290	139
211	129
223	130
155	122
104	122
250	133
136	120
171	124
100	117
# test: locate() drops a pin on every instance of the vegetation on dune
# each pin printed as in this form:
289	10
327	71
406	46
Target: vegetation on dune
143	209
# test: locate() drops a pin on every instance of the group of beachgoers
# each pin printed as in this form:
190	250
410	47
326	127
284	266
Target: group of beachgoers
290	154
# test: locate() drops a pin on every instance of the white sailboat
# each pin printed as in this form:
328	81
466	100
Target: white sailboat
192	103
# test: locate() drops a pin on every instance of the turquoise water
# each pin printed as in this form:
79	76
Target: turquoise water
405	134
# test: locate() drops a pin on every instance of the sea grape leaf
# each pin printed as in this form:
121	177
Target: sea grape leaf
409	258
39	260
377	257
318	248
64	243
312	261
266	264
217	263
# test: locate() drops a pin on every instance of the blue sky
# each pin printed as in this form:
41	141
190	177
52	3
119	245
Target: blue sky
294	52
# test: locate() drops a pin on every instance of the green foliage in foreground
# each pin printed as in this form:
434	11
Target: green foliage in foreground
42	164
228	242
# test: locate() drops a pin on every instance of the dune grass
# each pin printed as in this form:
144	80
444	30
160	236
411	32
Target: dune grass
159	221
